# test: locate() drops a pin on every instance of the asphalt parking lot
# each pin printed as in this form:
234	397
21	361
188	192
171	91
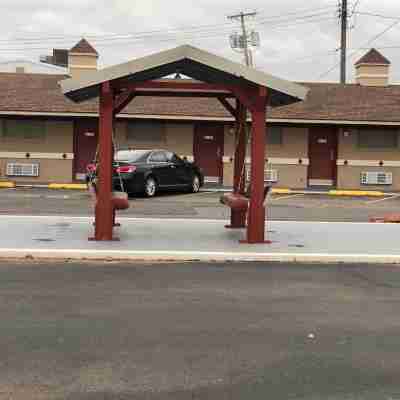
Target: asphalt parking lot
310	207
198	331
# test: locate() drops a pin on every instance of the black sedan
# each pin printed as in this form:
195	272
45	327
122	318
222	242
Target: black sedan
150	171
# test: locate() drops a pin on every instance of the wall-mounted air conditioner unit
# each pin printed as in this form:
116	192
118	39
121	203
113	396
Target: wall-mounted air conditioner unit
376	178
270	175
19	169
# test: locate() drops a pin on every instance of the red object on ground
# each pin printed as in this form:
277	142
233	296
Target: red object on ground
235	201
120	203
387	219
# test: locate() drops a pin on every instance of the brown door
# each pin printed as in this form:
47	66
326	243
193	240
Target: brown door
322	155
85	144
208	144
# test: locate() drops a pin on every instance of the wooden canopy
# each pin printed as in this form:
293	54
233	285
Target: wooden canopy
213	76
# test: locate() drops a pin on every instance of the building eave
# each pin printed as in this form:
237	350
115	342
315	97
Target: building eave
200	118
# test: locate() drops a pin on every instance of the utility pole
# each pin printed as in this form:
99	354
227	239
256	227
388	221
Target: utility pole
343	41
244	43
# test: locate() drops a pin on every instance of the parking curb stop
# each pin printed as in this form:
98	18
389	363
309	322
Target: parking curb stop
67	186
7	184
281	191
357	193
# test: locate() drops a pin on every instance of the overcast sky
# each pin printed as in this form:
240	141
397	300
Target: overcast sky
299	38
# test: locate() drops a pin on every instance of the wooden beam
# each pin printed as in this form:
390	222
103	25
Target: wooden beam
173	86
228	106
246	96
256	212
104	208
238	217
123	100
154	93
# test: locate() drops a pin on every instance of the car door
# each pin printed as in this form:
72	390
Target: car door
161	168
182	172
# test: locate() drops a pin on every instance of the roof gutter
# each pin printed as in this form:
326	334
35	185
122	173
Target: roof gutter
199	118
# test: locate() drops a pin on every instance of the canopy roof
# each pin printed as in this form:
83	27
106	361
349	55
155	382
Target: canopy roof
190	61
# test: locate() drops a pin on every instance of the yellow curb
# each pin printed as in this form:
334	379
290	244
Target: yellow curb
364	193
7	184
281	191
68	186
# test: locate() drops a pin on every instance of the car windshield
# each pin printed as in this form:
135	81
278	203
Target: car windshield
132	155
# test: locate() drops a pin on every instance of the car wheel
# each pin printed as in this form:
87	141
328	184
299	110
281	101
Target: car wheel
195	184
150	187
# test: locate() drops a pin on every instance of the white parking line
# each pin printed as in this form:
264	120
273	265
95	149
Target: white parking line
288	196
380	200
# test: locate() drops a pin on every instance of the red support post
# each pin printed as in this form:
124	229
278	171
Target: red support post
238	217
104	208
256	212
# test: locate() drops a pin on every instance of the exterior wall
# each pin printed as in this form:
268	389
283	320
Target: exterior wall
372	81
362	160
285	157
54	153
81	64
178	138
372	75
58	171
349	178
364	69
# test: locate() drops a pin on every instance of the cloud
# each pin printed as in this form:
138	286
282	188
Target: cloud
298	39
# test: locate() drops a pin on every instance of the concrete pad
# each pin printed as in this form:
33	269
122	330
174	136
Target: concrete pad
207	240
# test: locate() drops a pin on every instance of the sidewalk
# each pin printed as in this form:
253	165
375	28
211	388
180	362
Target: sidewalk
207	240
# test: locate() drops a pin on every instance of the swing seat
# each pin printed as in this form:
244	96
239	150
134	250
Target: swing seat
120	201
240	202
235	201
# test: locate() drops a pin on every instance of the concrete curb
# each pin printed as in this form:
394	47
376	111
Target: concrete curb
343	193
160	256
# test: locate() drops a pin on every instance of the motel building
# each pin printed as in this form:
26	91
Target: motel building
340	136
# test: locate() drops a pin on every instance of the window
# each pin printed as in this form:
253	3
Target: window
158	156
172	157
377	138
274	134
24	129
146	132
132	155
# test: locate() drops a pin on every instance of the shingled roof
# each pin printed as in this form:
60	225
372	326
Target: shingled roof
373	57
40	93
83	46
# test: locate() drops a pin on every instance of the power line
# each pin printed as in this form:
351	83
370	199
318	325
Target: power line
285	19
277	19
361	48
130	38
243	40
376	15
356	4
343	41
305	11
